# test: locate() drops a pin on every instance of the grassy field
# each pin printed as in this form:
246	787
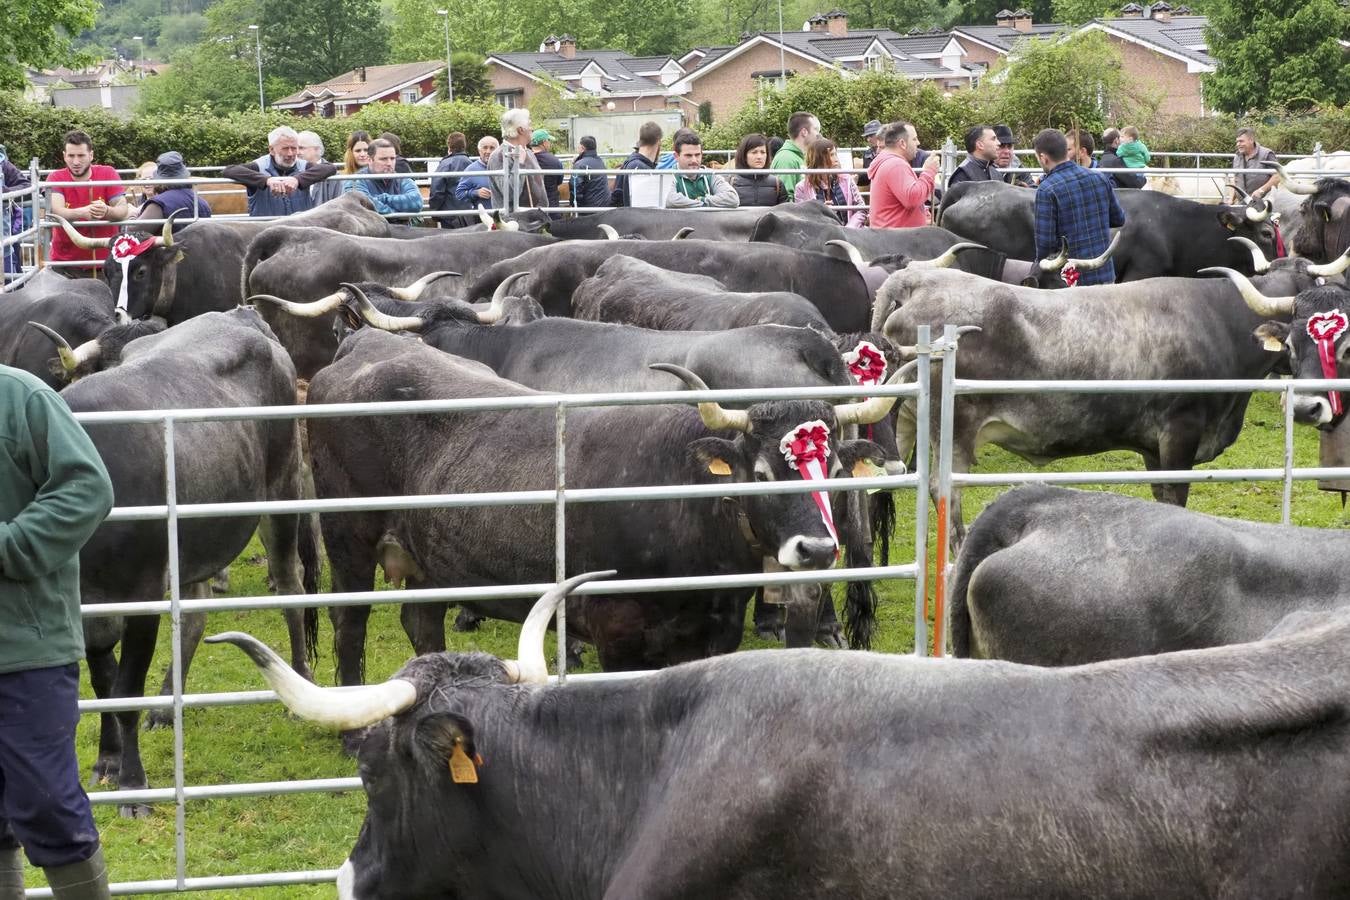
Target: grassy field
315	831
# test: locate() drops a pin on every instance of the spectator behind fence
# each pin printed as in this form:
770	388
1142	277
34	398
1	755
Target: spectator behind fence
1074	207
54	492
357	156
872	137
541	144
278	183
401	165
390	193
981	154
75	201
1262	178
1008	162
803	128
12	178
834	190
1110	141
138	194
589	190
643	158
442	197
692	191
475	191
898	192
311	151
171	198
760	189
1133	151
516	133
1081	147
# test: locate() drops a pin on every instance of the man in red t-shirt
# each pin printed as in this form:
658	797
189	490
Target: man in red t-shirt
76	202
898	192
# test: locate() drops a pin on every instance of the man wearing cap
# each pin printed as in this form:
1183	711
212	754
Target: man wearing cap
1007	162
981	152
541	142
871	134
170	198
75	201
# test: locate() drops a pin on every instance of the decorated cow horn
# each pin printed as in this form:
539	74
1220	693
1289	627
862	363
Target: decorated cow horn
608	231
70	358
529	666
948	257
414	291
166	233
79	240
1254	216
1055	263
1335	267
849	250
1271	307
712	413
873	409
344	708
683	233
495	312
311	310
1295	187
1260	264
484	217
1087	265
379	319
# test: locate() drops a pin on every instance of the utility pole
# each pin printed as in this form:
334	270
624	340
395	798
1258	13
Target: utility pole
257	35
449	67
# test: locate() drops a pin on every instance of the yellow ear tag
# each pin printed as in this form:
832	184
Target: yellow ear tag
1274	345
865	468
462	770
719	467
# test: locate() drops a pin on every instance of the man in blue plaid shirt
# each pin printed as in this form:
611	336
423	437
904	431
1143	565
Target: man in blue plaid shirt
1076	205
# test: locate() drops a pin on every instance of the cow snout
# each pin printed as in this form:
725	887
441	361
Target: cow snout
802	552
1312	410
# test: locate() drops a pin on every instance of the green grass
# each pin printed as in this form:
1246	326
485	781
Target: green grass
314	831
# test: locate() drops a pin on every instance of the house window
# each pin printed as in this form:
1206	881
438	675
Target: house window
875	63
508	99
409	95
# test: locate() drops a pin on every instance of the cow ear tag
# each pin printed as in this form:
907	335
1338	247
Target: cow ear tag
462	770
180	257
1273	344
718	466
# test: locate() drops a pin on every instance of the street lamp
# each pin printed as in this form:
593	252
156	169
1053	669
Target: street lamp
257	35
449	74
141	38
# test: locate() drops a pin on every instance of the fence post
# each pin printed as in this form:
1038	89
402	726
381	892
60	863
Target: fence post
946	420
948	160
1287	496
560	529
921	451
1317	154
39	215
176	646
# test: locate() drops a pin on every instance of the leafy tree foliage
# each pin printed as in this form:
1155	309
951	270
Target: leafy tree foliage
472	84
1076	12
38	33
1277	52
314	41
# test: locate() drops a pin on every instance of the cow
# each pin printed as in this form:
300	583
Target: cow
616	446
1162	236
666	224
1166	328
1210	773
1324	217
1056	577
81	308
215	360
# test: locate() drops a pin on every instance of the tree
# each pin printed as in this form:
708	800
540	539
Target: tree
38	33
472	83
1277	53
1076	12
215	76
322	39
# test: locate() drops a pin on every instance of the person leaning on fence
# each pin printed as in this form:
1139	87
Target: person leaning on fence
872	137
311	151
516	133
171	198
591	189
388	191
642	159
981	153
803	128
541	145
12	178
761	188
442	197
75	201
1111	160
899	193
692	191
475	191
836	191
54	492
278	183
1074	207
1262	177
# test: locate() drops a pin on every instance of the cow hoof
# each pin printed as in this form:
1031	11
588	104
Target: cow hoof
134	811
467	621
773	633
158	718
831	639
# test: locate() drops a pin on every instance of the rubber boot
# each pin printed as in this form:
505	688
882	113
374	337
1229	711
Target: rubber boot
87	880
11	873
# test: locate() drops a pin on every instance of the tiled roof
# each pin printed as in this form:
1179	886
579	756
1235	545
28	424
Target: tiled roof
379	80
1173	36
1004	37
646	63
919	43
618	78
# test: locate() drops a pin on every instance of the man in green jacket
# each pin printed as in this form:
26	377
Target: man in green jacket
54	492
803	128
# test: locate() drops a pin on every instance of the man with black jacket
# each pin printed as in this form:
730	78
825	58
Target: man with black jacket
643	158
1109	160
590	190
443	189
981	151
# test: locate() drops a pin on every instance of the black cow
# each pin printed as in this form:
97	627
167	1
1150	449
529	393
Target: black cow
666	224
1213	773
1324	223
80	308
217	359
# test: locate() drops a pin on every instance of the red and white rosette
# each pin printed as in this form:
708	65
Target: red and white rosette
806	448
1324	328
1070	274
125	248
866	363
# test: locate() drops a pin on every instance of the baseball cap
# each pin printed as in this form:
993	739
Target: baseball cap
1004	134
540	135
171	165
871	128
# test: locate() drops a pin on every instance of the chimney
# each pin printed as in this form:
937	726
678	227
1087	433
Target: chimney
1131	11
1004	17
818	24
549	44
1161	11
361	74
836	23
567	47
1022	19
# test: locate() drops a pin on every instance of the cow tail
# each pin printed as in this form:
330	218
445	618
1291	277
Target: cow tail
882	508
259	248
309	561
860	597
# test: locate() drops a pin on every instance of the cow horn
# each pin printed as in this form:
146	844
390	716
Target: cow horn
683	233
1254	216
484	217
849	250
79	240
70	358
1260	304
345	708
166	233
873	409
495	311
414	291
529	666
1335	267
1260	264
506	224
379	319
1055	263
1087	265
948	257
311	310
1291	185
608	231
712	413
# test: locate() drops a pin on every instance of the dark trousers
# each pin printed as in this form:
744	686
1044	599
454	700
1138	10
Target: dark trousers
42	802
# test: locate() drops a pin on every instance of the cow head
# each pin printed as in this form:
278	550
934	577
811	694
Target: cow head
1062	270
1324	229
875	272
1252	221
343	299
429	730
103	352
148	264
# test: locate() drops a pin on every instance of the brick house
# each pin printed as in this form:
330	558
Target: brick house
407	83
616	80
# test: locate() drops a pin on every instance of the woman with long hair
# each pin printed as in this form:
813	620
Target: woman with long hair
835	190
357	157
759	189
